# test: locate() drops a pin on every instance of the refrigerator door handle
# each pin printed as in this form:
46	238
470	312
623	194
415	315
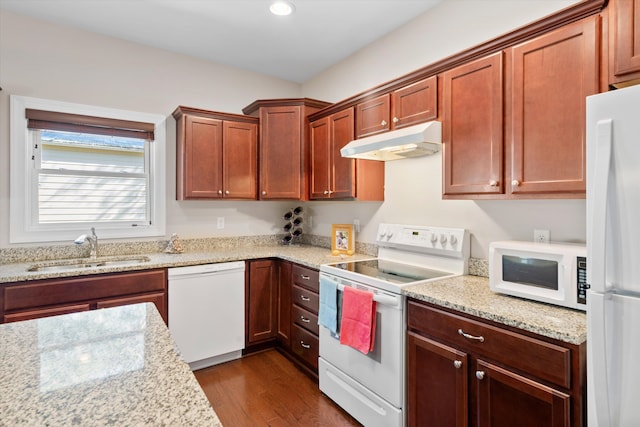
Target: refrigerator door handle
598	376
598	227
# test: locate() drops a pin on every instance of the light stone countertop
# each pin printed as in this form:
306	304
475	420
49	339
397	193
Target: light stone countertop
116	366
472	295
310	256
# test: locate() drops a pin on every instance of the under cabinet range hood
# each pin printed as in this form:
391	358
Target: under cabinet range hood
413	141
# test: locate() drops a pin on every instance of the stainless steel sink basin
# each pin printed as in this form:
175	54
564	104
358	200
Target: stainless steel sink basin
79	263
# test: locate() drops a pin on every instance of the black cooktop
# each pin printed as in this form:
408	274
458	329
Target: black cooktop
391	271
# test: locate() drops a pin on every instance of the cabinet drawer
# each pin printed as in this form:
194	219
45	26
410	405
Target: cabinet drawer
306	299
305	319
305	345
37	314
306	277
532	356
83	288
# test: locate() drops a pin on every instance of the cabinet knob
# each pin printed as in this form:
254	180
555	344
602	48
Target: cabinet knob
383	123
264	193
395	120
457	364
326	192
479	375
220	192
226	192
493	183
515	183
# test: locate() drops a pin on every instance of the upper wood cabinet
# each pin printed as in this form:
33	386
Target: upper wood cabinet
216	155
333	176
284	146
403	107
624	41
547	80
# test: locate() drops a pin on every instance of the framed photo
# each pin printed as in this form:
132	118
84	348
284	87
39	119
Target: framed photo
343	239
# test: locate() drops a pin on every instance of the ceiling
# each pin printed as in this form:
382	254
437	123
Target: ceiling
239	33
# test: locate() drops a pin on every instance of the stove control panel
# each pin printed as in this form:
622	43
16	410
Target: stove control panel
445	241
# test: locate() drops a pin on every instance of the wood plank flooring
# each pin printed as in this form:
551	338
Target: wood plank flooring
266	389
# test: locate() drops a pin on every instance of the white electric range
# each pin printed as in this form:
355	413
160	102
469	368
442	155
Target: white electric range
371	387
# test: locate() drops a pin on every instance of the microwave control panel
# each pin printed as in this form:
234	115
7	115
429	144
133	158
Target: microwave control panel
582	280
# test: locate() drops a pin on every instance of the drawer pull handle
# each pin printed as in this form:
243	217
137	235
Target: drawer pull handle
303	298
470	337
457	364
479	375
304	319
305	345
305	277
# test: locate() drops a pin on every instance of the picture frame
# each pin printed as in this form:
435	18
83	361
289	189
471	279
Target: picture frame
343	239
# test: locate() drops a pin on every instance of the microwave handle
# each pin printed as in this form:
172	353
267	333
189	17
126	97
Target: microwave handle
596	249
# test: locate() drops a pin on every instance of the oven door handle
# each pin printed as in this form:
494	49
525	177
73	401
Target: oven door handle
380	298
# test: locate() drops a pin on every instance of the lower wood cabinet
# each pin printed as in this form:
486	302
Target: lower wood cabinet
464	371
261	301
50	297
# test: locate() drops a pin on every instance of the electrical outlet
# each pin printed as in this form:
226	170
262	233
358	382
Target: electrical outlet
356	225
220	222
541	236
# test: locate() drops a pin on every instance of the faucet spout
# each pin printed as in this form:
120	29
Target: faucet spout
93	242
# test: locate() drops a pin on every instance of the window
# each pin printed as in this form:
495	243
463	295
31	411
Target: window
75	166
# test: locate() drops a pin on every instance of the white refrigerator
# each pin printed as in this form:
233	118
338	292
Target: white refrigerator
613	258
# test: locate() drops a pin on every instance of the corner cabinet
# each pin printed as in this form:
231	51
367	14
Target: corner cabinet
51	297
333	176
284	146
261	295
463	371
624	42
543	90
216	155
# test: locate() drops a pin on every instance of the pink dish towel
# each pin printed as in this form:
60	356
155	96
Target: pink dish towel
358	321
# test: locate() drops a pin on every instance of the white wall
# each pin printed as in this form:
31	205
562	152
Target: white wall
413	192
43	60
48	61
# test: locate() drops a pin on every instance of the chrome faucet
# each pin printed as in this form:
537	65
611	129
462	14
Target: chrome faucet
93	242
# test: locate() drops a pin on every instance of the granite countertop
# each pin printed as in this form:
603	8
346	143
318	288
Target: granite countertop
311	256
472	295
116	366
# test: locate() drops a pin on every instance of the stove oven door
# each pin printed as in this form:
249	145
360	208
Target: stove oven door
370	387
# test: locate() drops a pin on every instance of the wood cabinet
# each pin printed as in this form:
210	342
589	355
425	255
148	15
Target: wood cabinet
49	297
409	105
546	81
284	146
624	42
261	301
466	371
216	155
335	177
304	315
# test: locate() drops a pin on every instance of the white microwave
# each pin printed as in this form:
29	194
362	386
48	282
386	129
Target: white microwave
548	272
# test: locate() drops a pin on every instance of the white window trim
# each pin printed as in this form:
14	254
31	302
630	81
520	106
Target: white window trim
20	187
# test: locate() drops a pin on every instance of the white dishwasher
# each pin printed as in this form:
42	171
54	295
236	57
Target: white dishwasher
206	312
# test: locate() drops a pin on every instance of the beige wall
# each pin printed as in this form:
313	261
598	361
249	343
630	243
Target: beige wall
48	61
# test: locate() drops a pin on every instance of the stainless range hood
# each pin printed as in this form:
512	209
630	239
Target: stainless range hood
413	141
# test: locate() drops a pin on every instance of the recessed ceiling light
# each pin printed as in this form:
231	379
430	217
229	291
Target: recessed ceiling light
282	8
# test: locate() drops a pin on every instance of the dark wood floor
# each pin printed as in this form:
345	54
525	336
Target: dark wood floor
266	389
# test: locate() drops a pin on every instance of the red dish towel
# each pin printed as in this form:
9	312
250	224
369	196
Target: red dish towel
358	321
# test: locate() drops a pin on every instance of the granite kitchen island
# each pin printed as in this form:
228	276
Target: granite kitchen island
116	366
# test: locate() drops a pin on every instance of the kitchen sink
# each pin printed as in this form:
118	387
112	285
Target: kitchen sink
79	263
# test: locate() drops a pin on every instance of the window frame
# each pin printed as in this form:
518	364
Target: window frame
22	199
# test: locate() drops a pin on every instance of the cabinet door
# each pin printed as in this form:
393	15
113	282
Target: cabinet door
240	160
159	299
372	116
284	302
343	183
437	384
319	180
281	136
261	301
506	399
473	127
550	77
415	103
202	158
624	21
